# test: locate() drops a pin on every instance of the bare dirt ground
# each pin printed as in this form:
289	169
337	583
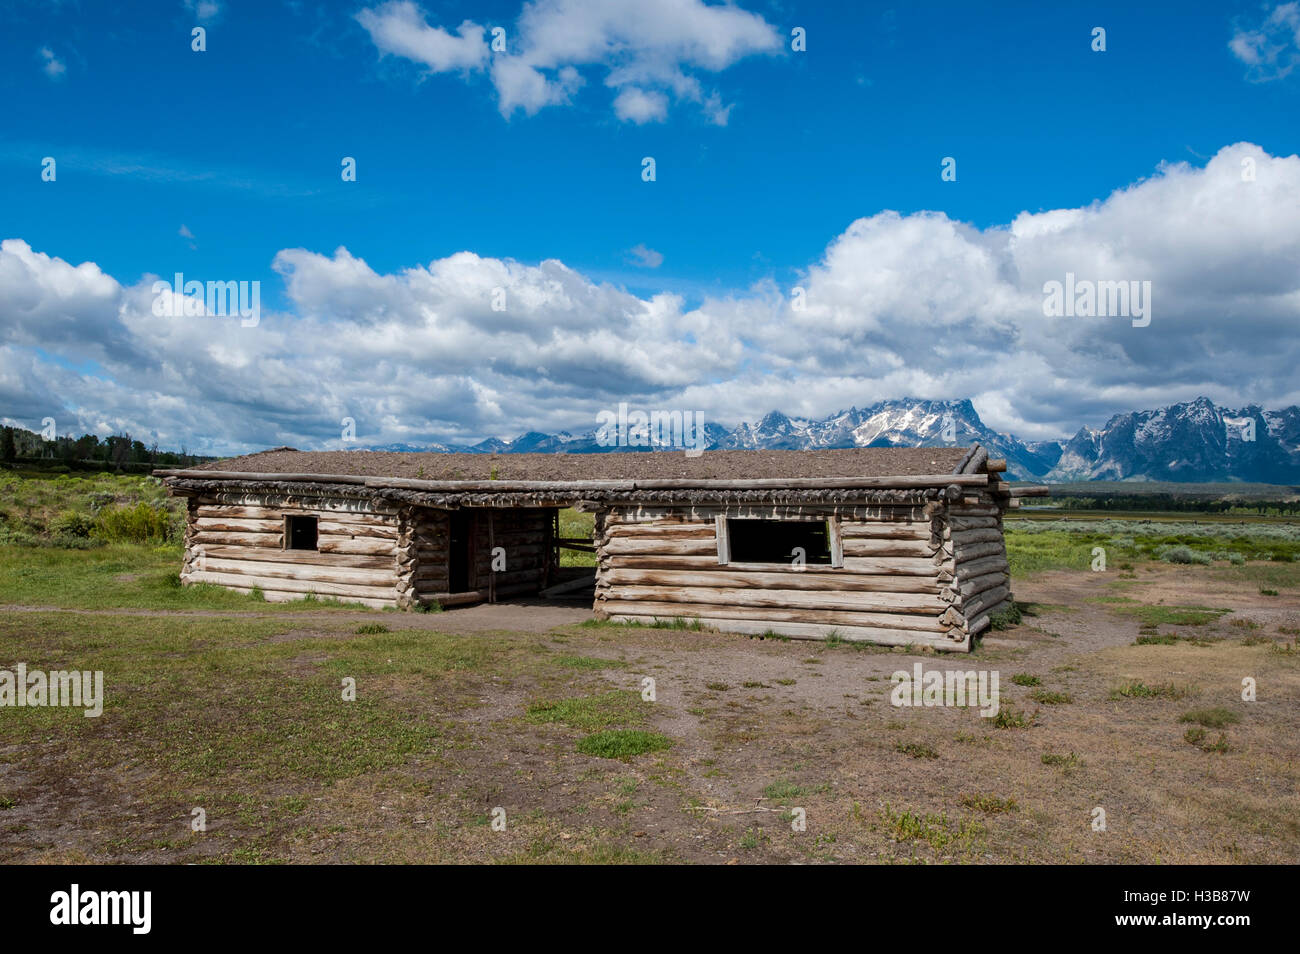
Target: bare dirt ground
762	733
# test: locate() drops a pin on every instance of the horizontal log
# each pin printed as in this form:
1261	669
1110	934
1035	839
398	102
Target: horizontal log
455	599
311	557
809	579
876	566
321	588
666	547
262	506
891	514
969	588
1036	490
865	547
966	537
347	545
985	601
865	634
431	581
336	528
974	551
972	523
923	603
304	572
974	568
270	541
654	530
917	624
237	525
198	474
885	531
996	465
284	596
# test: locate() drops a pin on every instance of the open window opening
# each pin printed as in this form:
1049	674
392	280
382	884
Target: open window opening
791	542
299	533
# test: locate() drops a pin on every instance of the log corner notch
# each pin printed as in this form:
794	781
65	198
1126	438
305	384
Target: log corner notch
973	537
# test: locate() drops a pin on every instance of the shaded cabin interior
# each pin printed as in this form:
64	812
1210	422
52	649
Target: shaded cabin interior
902	553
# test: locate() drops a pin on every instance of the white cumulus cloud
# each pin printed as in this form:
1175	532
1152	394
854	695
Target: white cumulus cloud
648	51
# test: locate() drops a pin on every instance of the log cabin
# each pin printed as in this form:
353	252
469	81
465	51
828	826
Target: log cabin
896	546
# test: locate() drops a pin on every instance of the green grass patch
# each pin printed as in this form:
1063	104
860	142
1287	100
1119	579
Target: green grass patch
1215	718
1049	698
1199	738
917	750
623	744
989	804
588	663
1025	679
1064	760
1171	615
1009	717
938	831
783	789
1136	689
618	707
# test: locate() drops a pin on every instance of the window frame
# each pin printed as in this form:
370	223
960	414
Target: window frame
288	532
833	537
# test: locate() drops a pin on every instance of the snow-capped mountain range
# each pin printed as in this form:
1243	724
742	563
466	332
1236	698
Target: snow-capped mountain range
1194	441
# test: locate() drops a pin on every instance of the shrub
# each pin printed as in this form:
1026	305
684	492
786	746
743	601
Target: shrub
142	523
1182	554
72	523
1005	619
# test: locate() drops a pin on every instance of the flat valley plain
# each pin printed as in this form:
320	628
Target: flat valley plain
519	733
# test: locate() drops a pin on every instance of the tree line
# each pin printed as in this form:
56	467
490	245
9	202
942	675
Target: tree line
21	447
1284	506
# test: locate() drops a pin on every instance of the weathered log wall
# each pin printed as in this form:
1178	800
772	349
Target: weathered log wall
370	551
237	541
900	582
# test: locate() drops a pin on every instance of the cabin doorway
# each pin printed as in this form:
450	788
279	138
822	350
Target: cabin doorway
459	551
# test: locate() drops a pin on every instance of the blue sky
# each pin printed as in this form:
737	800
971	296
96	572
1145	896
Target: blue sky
764	158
